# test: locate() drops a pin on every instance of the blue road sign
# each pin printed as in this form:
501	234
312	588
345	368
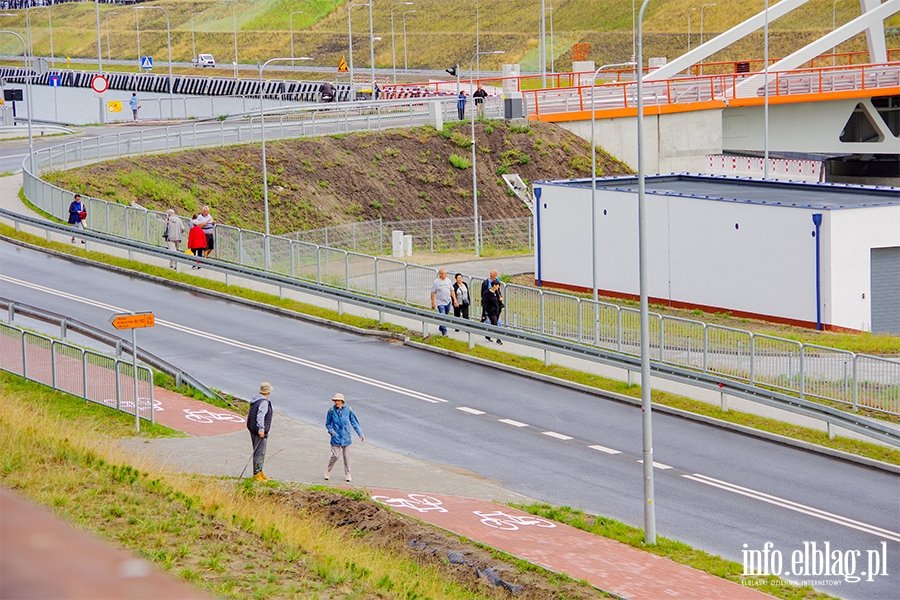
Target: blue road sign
147	62
54	81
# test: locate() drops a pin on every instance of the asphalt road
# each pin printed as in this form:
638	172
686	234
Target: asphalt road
716	490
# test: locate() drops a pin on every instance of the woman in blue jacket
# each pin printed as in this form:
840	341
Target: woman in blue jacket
461	105
338	423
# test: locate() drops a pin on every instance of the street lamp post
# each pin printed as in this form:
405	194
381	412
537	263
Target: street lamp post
169	46
701	21
108	54
766	93
372	46
646	403
350	8
689	28
543	45
833	26
297	12
594	186
552	59
193	43
474	176
30	103
234	28
137	32
405	61
99	46
262	135
393	48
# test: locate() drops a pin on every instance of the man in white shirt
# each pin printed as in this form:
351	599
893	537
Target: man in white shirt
207	223
442	296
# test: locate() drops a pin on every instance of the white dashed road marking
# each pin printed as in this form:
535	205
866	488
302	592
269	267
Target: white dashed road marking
658	465
604	449
558	436
513	423
473	411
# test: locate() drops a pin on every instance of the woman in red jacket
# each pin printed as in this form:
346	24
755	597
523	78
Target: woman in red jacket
196	240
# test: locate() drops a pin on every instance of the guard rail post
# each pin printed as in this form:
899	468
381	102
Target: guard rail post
855	385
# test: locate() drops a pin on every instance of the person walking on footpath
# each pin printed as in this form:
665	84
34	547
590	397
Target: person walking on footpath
135	105
461	105
442	296
492	302
208	224
259	421
460	298
173	234
485	286
196	240
479	97
77	214
338	423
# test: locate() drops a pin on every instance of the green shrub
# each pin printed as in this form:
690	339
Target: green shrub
460	162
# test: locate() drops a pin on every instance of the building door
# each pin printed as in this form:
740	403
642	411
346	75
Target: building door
886	290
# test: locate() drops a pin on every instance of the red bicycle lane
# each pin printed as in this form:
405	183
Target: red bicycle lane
609	565
193	416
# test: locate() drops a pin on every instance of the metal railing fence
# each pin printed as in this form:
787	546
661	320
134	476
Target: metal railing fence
805	370
95	377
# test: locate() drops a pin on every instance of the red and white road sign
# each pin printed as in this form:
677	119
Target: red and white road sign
99	84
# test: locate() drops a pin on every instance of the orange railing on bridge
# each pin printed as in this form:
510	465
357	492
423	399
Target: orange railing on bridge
756	64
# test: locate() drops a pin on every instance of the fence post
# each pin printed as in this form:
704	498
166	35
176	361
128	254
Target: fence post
24	358
619	334
380	236
705	348
578	308
377	295
346	270
53	363
802	371
84	379
319	265
662	327
855	385
541	313
431	234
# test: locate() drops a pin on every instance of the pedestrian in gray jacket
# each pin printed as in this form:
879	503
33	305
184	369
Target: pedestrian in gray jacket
173	234
259	421
338	423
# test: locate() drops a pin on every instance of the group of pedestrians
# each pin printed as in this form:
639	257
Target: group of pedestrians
340	422
479	95
201	236
446	294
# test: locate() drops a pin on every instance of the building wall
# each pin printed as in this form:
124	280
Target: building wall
739	257
673	143
852	235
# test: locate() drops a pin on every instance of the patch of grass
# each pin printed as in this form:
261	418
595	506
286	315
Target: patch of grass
460	162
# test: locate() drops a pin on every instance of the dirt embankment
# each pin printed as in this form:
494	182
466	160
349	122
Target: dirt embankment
415	173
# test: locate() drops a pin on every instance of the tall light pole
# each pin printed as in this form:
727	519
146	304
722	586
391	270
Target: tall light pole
350	8
474	176
543	45
108	54
137	32
833	26
30	104
633	37
766	93
262	135
234	28
99	46
372	46
701	21
689	28
28	29
646	402
193	43
405	61
296	12
393	48
594	182
169	45
477	39
552	59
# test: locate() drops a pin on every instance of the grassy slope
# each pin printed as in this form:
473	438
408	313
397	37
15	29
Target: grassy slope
440	33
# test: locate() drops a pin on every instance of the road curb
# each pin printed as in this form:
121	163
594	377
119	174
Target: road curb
742	429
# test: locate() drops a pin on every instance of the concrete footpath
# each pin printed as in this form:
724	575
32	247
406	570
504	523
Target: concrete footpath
452	499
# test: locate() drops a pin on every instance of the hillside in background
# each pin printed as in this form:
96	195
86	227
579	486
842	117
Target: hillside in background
313	182
438	33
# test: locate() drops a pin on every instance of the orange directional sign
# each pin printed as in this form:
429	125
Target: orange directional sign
132	320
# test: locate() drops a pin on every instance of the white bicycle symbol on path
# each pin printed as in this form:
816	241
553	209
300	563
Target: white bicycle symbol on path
417	502
501	520
205	416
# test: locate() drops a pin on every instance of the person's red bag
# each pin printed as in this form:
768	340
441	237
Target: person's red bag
82	215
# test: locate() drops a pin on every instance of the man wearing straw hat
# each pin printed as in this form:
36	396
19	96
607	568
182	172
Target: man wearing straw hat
259	420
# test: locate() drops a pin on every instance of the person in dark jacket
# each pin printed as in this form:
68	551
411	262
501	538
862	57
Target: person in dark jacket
461	298
338	422
461	105
259	421
479	95
326	90
76	212
492	302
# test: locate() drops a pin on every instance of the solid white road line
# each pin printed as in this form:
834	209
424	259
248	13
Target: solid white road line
237	344
795	506
513	423
472	411
558	436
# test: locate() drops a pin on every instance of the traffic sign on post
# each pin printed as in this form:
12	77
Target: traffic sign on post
132	320
54	81
147	62
99	84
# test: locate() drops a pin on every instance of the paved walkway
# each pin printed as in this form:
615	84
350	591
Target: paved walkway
453	499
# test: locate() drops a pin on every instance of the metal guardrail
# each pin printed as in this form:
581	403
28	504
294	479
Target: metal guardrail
807	371
120	345
709	379
90	375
